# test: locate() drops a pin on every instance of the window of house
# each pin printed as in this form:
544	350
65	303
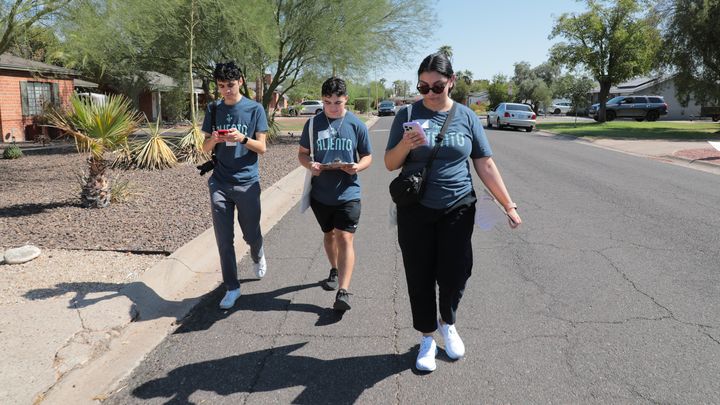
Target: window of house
36	95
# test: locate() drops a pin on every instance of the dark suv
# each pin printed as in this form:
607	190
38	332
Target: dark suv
638	107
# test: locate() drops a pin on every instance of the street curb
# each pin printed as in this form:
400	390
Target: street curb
164	295
681	161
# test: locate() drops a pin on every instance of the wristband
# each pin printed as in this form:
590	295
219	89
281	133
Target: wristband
511	206
244	141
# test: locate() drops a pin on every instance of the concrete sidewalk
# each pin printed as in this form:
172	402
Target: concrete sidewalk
145	312
698	155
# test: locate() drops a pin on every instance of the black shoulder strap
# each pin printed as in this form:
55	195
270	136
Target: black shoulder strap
441	135
213	111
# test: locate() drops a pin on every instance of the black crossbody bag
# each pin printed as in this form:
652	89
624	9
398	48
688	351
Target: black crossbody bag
408	189
210	164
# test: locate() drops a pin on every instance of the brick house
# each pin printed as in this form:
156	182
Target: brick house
27	88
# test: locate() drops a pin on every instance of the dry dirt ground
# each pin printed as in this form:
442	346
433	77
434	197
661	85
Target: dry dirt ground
39	205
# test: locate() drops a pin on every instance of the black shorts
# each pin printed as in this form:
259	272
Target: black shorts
344	217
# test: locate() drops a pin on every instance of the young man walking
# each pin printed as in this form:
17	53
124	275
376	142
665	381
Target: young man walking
340	149
237	137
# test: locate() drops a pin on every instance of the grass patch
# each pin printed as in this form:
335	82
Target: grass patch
286	124
636	130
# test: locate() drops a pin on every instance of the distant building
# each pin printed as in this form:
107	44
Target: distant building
478	98
28	89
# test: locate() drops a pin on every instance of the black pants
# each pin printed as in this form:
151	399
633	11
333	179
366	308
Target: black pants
436	249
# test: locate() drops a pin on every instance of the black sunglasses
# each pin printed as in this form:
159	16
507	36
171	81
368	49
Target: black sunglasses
436	88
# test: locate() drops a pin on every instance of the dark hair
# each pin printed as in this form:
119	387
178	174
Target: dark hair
226	72
334	86
437	62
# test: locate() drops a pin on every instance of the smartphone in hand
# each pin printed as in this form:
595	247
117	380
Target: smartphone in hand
224	132
414	126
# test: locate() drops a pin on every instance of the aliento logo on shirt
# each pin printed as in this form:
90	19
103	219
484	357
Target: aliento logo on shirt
242	128
332	144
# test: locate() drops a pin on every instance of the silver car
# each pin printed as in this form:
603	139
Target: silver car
306	107
512	115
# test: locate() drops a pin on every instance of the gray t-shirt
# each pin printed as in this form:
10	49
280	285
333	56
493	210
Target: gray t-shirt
237	164
449	178
343	140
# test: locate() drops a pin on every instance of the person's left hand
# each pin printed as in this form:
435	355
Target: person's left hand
514	219
234	135
350	169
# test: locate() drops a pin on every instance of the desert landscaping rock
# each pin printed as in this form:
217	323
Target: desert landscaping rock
21	254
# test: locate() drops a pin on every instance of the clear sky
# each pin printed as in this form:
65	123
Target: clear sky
488	37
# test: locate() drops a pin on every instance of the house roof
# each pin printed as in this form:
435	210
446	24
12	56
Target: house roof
161	82
85	84
11	62
635	85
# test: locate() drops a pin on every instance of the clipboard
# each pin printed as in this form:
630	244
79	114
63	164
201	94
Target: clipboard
335	165
488	211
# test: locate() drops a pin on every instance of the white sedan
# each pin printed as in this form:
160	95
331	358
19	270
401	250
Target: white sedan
512	115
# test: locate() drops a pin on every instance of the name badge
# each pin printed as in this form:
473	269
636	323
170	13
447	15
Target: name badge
324	134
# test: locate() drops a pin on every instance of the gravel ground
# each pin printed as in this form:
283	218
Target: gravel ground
99	250
40	205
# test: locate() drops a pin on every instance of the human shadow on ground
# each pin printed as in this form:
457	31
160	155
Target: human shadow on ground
337	381
205	314
148	305
26	210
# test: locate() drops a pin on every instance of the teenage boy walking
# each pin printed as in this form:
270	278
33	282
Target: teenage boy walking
338	136
237	137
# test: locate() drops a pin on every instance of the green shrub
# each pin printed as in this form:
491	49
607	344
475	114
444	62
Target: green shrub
479	108
362	104
12	152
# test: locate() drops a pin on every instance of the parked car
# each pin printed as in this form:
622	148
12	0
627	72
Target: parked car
386	108
306	107
640	108
712	112
512	115
560	107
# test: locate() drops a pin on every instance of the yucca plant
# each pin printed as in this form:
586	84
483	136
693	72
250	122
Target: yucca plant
190	145
155	152
97	128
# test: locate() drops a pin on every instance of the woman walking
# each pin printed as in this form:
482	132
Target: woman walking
435	234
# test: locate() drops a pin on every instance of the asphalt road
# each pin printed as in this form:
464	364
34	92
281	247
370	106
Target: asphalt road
608	293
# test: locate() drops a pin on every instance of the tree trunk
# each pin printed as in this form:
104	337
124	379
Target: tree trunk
96	191
605	85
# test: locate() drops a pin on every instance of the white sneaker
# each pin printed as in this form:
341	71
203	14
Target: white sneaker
229	299
454	346
426	355
260	267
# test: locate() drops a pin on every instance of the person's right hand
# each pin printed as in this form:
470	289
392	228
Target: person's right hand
217	138
413	139
514	219
315	168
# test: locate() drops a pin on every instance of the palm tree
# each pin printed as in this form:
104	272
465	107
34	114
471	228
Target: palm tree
447	50
97	128
466	76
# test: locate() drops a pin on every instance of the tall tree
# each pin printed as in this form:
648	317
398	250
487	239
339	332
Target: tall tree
466	76
575	89
498	90
361	34
533	85
691	48
447	51
613	42
17	16
402	87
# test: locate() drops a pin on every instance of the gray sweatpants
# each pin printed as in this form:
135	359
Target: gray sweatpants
224	199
